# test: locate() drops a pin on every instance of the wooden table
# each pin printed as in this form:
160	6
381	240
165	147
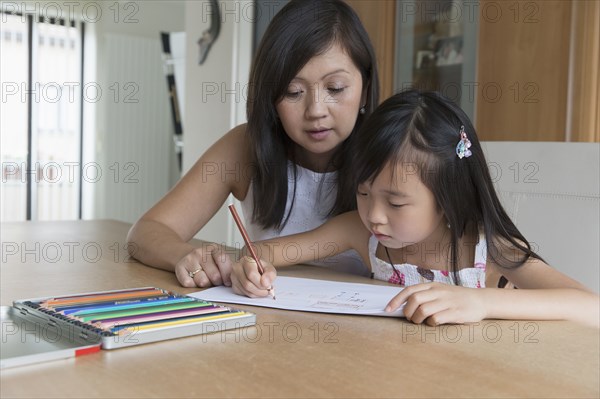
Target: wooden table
288	354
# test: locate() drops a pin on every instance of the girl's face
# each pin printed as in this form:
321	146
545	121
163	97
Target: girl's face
398	208
320	107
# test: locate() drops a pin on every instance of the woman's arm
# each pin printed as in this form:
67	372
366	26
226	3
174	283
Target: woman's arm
337	235
160	238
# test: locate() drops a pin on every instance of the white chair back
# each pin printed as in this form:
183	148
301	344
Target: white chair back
552	193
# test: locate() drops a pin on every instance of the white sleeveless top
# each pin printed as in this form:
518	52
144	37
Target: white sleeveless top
315	195
406	274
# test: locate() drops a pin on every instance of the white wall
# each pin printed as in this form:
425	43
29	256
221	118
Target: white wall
116	33
214	102
215	98
115	27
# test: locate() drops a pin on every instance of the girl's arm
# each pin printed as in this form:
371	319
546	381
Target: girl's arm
544	294
337	235
160	238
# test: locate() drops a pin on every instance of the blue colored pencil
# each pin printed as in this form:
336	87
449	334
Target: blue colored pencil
110	308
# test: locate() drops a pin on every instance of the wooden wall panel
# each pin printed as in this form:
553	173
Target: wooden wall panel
523	70
584	109
379	19
538	68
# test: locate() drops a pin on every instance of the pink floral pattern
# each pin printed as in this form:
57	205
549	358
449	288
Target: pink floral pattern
407	274
397	278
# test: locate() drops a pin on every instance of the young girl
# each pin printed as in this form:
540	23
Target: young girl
429	219
312	83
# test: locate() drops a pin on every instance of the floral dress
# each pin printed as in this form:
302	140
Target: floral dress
407	274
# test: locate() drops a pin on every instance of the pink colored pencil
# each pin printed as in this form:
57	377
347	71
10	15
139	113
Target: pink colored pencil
110	323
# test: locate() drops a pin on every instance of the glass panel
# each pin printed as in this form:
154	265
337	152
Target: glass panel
436	48
56	133
13	123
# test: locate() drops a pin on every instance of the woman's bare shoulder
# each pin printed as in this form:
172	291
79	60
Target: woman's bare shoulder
233	146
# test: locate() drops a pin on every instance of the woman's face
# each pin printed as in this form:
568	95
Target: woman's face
320	107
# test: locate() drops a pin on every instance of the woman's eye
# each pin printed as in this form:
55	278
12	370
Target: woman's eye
335	90
293	94
293	91
397	205
361	194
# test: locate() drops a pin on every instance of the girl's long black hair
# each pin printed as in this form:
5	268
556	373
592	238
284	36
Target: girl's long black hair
420	130
297	33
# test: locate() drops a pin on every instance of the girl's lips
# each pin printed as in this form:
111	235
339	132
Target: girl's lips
381	237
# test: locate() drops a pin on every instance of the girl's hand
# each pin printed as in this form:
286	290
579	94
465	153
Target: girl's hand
204	267
246	280
436	303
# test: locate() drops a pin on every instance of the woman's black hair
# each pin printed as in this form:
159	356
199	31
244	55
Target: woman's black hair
297	33
419	130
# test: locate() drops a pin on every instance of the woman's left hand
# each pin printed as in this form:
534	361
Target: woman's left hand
436	303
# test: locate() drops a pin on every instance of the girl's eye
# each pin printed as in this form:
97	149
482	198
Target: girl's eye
397	205
361	194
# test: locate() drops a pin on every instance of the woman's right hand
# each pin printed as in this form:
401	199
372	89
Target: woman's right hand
204	267
162	237
246	280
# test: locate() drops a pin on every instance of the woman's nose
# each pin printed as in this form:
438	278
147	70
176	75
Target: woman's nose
315	104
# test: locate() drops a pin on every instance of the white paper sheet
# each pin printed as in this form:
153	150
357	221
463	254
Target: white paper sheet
311	295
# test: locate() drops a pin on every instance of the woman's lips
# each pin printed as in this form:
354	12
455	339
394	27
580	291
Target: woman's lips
319	134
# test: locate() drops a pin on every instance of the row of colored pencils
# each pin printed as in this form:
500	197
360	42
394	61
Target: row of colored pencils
132	310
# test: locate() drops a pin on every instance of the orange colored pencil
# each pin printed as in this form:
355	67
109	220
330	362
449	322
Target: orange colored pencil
249	244
101	297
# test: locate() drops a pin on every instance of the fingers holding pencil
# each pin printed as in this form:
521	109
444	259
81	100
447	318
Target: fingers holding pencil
247	280
258	264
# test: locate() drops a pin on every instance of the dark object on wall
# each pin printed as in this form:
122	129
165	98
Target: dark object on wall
210	35
265	10
173	98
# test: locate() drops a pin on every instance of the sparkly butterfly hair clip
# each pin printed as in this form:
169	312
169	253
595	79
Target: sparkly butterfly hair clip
462	148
